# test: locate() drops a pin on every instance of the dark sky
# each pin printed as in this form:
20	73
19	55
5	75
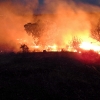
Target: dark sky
94	2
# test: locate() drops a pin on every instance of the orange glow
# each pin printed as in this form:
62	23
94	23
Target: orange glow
90	46
51	48
58	24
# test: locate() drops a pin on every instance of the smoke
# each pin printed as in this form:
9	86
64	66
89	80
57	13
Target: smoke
68	19
61	20
12	18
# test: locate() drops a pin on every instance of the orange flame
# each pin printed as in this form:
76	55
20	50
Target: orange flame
90	46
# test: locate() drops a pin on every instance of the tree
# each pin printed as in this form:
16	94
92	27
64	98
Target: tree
42	28
24	48
35	29
32	29
75	43
95	33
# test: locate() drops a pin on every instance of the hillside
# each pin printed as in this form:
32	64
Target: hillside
48	76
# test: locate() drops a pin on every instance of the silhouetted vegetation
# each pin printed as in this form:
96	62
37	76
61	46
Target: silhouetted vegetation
35	29
95	33
75	42
24	48
32	29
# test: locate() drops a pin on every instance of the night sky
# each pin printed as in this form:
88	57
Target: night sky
41	3
94	2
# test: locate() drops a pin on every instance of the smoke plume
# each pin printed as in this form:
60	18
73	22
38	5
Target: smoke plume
60	21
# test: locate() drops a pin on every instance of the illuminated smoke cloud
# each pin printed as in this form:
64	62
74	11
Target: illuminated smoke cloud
13	17
59	22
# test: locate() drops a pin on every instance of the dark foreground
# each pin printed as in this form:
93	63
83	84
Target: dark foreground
48	76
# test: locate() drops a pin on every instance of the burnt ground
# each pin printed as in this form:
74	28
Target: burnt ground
48	76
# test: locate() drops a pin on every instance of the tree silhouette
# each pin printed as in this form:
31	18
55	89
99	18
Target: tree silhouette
24	48
39	29
95	33
35	29
32	29
75	43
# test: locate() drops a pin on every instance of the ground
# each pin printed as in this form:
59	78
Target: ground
48	76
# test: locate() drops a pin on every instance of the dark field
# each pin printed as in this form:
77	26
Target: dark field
48	76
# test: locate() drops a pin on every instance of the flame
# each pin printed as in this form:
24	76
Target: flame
90	46
85	45
51	47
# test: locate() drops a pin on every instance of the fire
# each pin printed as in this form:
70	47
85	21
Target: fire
90	46
53	29
85	45
51	47
33	47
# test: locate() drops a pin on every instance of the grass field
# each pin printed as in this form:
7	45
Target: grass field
48	76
